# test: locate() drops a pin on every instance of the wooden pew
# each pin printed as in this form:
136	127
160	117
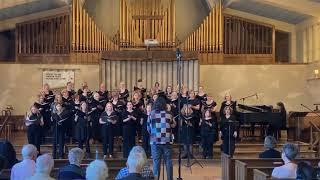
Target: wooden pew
228	164
259	174
244	169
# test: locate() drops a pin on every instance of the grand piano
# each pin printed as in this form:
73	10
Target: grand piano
261	115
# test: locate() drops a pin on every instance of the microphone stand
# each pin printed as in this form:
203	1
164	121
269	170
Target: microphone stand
246	97
55	140
189	145
178	57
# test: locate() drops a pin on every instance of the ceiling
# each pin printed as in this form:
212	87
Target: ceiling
289	11
269	11
10	9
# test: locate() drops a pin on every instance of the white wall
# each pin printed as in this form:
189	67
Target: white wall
273	83
308	40
20	83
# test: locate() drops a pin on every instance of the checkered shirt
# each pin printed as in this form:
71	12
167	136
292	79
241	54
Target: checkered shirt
146	173
159	127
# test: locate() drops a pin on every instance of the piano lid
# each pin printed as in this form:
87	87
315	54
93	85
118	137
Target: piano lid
251	108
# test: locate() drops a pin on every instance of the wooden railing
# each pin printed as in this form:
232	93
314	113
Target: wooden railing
315	138
44	36
243	36
6	127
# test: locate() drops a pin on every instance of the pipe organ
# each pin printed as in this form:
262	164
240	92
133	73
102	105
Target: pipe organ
147	19
86	35
75	36
244	37
44	36
209	36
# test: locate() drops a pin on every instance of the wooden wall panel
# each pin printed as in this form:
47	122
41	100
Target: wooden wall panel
150	72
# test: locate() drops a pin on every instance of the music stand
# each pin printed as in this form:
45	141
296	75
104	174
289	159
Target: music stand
298	116
235	124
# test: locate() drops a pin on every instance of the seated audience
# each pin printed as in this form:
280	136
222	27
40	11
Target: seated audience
3	164
304	171
289	169
97	170
269	145
73	170
7	151
135	163
146	172
44	165
27	166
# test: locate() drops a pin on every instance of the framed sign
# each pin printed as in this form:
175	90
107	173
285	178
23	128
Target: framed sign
57	78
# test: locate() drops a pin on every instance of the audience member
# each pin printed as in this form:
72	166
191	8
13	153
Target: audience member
73	170
25	168
7	151
304	171
146	172
289	169
44	165
269	145
97	170
3	164
135	163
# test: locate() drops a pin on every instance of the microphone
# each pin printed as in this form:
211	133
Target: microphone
178	53
257	96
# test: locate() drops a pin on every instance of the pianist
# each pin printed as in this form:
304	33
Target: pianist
269	145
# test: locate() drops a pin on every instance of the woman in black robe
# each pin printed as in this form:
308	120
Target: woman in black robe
138	107
144	132
228	102
48	94
195	106
123	93
228	131
82	121
129	118
208	131
44	109
104	95
95	110
139	87
60	119
187	134
118	107
108	120
202	96
34	122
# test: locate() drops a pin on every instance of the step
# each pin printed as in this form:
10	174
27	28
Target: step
175	147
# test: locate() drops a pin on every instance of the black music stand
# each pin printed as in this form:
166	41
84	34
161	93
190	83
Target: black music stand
235	124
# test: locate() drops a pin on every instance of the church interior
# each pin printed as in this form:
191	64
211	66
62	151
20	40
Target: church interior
261	55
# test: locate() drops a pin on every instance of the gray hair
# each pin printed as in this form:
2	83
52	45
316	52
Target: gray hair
138	150
97	170
290	151
29	151
44	164
75	156
137	158
270	142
